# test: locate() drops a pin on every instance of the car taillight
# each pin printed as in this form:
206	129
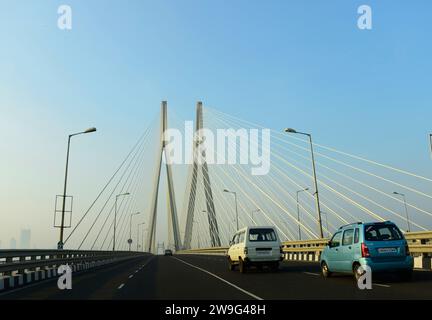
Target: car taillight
407	251
245	250
365	251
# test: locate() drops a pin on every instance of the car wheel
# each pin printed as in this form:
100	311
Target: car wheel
325	270
242	266
357	271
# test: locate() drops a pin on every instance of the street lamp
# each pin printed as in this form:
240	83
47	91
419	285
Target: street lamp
317	203
115	217
138	225
130	229
298	209
406	208
235	197
60	243
256	210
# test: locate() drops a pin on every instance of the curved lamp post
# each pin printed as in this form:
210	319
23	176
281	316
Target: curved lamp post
130	230
317	203
89	130
406	208
235	197
115	217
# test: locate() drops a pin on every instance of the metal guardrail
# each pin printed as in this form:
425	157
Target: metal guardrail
21	260
214	250
20	267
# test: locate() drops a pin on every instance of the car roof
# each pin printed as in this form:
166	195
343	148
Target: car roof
365	224
255	227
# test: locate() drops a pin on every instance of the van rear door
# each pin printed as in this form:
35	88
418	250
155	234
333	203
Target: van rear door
263	242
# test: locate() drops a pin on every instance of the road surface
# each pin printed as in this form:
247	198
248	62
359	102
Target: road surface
196	277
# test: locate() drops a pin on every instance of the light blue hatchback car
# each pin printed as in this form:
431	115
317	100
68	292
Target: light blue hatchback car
379	245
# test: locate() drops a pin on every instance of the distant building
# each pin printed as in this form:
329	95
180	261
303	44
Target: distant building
25	239
13	244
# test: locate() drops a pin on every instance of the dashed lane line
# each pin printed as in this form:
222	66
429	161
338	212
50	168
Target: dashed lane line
381	285
221	279
131	276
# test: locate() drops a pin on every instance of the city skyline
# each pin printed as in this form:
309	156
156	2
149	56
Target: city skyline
23	243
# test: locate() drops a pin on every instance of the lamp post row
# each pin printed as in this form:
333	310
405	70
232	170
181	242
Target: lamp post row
130	230
138	225
60	244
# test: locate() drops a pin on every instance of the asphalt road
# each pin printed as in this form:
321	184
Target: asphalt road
197	277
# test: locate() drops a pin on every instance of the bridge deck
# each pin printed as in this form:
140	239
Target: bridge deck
208	277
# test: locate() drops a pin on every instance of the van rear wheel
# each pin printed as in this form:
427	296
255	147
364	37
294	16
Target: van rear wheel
242	266
231	265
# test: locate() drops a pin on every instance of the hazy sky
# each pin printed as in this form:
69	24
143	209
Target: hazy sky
278	63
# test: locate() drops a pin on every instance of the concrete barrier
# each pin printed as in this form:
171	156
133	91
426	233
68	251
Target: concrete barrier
423	262
420	246
21	267
16	280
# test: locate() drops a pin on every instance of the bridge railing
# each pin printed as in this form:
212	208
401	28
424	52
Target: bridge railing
19	267
420	245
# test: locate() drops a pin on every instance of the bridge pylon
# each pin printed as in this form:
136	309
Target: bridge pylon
172	208
211	214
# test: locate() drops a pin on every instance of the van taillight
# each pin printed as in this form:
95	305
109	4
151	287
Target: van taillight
365	251
407	251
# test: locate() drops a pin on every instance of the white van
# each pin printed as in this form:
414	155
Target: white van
255	246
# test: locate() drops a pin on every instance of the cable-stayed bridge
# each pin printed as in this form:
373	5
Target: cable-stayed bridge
206	179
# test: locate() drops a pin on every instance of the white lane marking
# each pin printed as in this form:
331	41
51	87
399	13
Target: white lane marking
381	285
147	262
221	279
311	273
121	286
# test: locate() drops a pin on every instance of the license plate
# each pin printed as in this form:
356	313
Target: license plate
387	250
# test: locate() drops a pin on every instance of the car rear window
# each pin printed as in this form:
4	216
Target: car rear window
262	235
382	232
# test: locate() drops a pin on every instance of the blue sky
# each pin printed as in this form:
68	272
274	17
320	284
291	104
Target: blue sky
279	63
